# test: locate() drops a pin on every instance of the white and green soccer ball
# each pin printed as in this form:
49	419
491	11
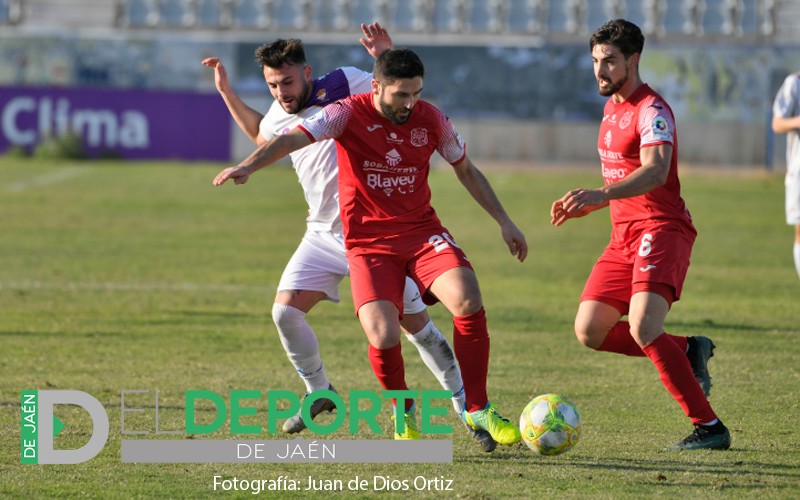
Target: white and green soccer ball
550	424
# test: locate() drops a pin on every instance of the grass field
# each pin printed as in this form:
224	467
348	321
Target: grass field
121	276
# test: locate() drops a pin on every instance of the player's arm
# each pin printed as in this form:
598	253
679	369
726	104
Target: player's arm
783	125
479	188
651	175
265	155
246	117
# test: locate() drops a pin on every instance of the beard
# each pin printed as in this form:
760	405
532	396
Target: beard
298	102
613	87
394	115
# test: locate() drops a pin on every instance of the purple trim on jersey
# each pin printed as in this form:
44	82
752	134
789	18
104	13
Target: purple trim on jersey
329	88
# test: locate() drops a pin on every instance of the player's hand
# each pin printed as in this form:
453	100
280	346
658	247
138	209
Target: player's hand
376	39
576	203
515	240
238	174
220	75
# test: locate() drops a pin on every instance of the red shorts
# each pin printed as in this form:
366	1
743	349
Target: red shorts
378	269
642	257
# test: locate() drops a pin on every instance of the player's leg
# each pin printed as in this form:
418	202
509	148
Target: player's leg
792	184
433	347
648	311
605	299
377	280
457	288
796	249
437	354
313	274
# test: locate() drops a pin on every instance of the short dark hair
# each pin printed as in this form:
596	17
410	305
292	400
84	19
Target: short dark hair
624	35
397	64
280	52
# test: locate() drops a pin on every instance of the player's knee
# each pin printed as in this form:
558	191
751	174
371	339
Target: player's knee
467	305
590	333
285	317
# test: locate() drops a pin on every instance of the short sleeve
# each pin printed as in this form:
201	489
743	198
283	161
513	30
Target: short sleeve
327	123
787	101
656	123
451	145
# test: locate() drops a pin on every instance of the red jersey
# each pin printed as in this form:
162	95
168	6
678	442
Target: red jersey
642	120
383	166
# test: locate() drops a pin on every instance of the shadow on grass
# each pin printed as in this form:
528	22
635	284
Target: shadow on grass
709	324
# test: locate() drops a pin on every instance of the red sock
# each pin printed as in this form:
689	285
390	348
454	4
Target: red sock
471	344
676	375
388	367
620	341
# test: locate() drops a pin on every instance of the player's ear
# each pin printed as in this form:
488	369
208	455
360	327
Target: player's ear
376	87
307	72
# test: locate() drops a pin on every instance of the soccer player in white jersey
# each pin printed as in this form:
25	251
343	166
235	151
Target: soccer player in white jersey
642	269
319	264
786	120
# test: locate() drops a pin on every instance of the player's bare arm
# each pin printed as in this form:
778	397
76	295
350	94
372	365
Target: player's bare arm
264	156
481	191
376	39
651	175
246	117
783	125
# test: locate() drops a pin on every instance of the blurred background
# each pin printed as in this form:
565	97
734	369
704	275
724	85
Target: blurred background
124	76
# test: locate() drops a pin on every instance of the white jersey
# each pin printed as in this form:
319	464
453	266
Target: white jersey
787	105
315	164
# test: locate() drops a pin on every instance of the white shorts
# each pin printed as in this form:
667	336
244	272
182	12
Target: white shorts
793	197
319	264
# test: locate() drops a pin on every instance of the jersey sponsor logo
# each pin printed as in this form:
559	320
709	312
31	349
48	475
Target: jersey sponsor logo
392	138
611	119
393	158
419	137
389	183
661	128
626	119
647	268
607	155
613	173
375	166
374	127
607	139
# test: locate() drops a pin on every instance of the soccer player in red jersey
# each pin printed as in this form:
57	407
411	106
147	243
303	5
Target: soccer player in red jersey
642	270
385	140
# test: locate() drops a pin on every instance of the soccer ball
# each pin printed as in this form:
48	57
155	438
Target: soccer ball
550	424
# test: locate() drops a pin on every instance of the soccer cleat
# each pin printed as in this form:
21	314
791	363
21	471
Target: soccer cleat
501	430
411	431
712	437
296	424
701	349
488	444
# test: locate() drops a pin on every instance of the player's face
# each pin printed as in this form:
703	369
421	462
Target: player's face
611	69
290	85
396	100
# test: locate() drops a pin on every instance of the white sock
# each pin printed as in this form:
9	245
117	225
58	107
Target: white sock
797	257
438	356
301	345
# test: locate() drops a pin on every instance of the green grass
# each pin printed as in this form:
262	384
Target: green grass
120	276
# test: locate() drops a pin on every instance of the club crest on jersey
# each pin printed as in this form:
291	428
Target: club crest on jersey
322	95
419	137
393	158
626	119
661	128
